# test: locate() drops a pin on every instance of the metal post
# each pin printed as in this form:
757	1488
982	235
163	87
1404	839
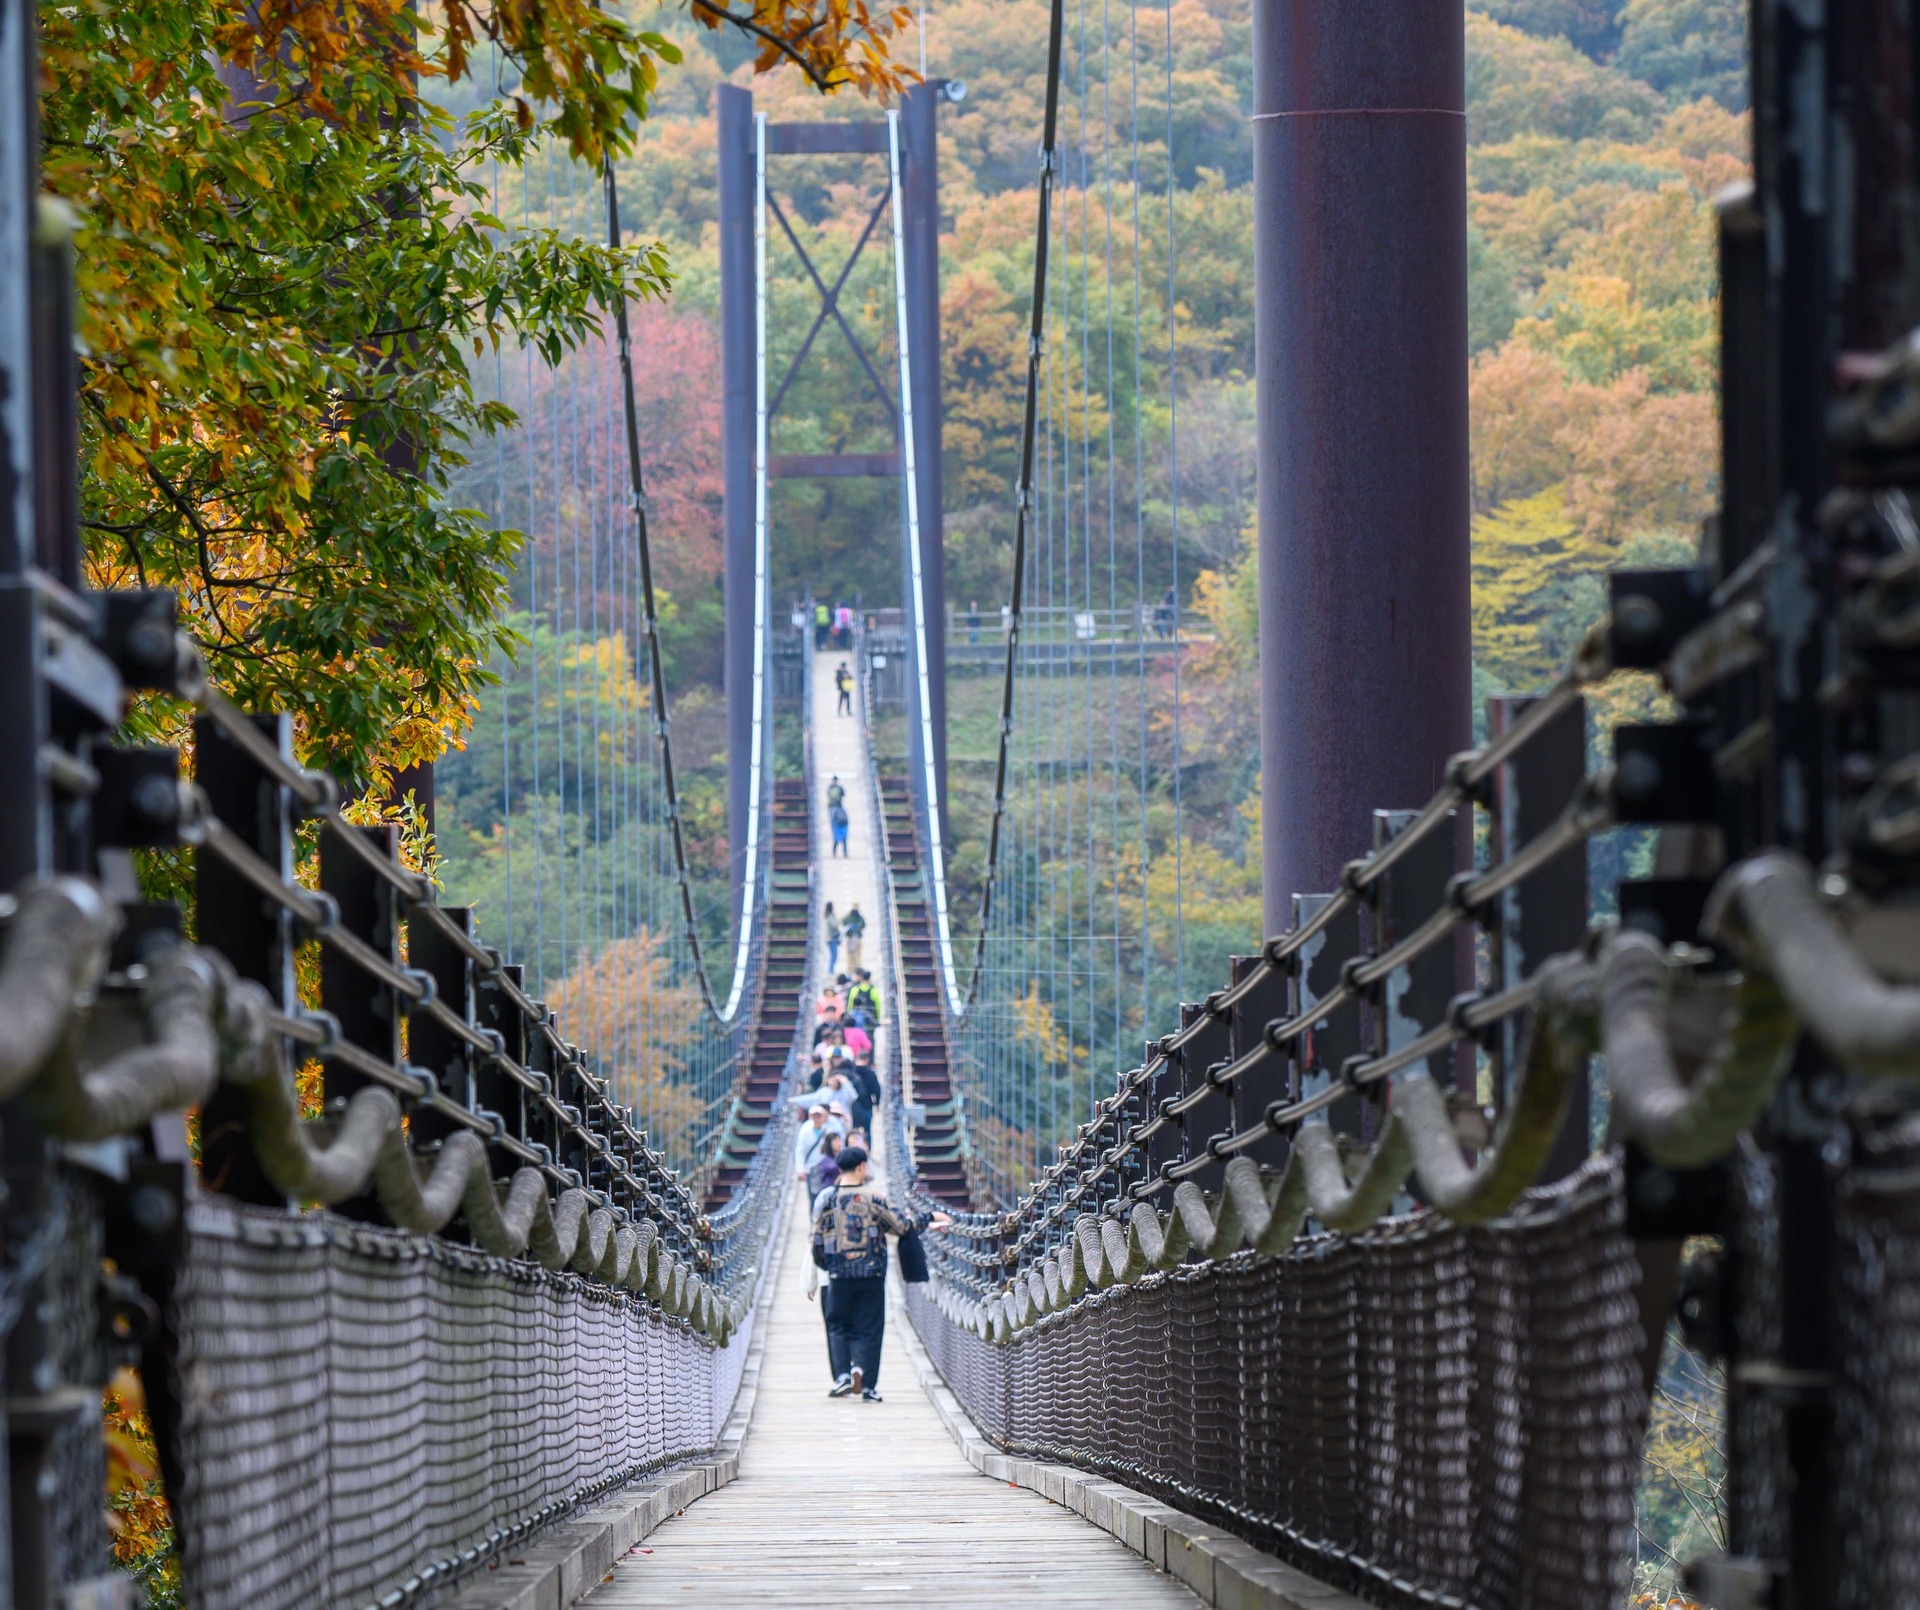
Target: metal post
738	204
367	1011
1361	309
1254	1092
256	934
1545	914
19	145
1413	998
1327	1046
430	1044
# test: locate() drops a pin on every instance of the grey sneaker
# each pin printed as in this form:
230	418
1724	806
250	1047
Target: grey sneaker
871	1396
842	1387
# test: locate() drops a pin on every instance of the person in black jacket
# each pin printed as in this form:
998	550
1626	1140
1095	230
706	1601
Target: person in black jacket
866	1091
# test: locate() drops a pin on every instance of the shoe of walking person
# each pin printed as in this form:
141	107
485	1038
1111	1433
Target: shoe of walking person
841	1387
871	1396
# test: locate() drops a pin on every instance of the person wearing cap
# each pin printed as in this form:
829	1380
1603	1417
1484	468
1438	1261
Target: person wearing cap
810	1137
850	1229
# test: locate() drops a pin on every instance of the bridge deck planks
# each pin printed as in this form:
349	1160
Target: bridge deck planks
871	1504
867	1503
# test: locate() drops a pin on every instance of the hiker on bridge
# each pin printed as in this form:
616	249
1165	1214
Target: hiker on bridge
811	1138
854	927
822	624
825	1168
863	1000
837	819
850	1230
866	1088
830	926
843	681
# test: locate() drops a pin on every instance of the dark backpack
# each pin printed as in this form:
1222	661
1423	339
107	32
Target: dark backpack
838	816
913	1259
846	1249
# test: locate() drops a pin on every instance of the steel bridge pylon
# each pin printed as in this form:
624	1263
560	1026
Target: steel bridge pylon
749	209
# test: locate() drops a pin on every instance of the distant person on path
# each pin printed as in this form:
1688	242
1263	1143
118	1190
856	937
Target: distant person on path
854	928
835	793
843	626
810	1139
1163	616
850	1230
822	623
830	926
843	680
837	816
973	622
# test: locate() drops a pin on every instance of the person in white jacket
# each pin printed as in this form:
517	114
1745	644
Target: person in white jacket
811	1136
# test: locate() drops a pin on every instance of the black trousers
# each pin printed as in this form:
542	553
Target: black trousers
858	1321
836	1343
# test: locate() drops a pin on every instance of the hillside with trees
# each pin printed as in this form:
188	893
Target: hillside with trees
1598	135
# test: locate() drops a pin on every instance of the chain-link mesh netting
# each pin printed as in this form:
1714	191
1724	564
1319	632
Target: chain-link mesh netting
1877	1397
1425	1413
361	1408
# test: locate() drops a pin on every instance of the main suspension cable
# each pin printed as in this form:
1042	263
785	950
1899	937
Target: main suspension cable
662	726
1036	339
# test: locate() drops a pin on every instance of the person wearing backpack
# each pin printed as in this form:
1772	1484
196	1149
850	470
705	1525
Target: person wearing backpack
822	623
843	681
837	815
853	927
836	795
850	1230
863	997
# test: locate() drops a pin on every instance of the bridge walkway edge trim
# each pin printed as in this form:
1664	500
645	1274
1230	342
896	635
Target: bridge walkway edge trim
1222	1570
573	1558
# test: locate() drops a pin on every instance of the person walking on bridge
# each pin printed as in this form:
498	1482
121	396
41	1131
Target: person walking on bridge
837	818
850	1229
822	624
863	998
843	680
853	927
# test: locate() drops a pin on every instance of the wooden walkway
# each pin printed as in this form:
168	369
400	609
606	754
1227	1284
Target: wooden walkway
840	1501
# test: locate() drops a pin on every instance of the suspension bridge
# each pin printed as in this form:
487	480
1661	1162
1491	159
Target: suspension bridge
446	1209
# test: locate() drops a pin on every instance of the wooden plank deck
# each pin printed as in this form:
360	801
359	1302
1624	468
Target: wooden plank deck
868	1504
